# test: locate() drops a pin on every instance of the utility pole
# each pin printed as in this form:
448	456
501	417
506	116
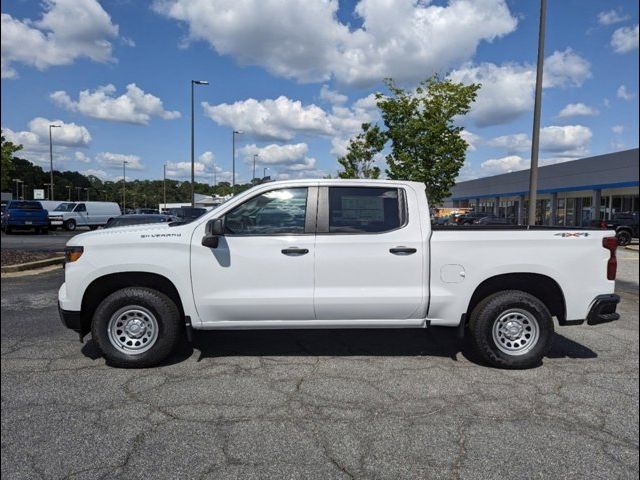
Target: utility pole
51	159
233	150
124	186
193	168
47	189
535	137
164	186
255	155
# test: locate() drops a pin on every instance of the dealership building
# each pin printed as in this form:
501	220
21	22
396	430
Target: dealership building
570	193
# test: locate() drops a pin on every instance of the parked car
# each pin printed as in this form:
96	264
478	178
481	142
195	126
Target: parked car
149	211
71	215
335	254
139	219
25	214
626	226
493	220
469	217
187	214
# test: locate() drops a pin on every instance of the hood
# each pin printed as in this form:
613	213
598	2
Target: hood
124	234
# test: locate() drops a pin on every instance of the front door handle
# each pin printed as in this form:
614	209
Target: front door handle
295	251
402	250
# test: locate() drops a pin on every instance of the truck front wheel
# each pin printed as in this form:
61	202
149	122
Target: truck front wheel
624	237
136	327
511	329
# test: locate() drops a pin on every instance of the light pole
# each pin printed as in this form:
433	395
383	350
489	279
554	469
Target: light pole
193	168
69	187
51	158
535	137
164	186
124	186
47	187
78	193
87	190
264	172
255	155
233	145
18	181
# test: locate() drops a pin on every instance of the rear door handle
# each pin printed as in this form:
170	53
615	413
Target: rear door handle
402	250
295	251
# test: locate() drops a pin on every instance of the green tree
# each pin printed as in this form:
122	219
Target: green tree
8	150
359	160
426	143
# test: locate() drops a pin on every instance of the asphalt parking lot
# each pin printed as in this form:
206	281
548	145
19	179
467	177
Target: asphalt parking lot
29	241
315	404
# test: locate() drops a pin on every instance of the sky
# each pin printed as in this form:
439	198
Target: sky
298	78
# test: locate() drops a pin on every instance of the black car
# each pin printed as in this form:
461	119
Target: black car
139	219
470	217
493	220
625	225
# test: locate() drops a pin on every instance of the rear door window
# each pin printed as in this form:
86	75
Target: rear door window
364	209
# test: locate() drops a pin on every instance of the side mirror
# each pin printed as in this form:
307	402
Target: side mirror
213	231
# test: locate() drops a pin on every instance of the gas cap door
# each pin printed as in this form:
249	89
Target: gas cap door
452	273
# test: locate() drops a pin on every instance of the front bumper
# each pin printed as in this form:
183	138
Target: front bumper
603	309
71	319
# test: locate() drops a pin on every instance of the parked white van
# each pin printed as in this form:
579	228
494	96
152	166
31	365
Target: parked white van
71	215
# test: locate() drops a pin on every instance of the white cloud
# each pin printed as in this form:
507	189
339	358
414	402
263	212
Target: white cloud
134	106
617	129
624	94
68	30
82	157
507	90
625	39
496	166
115	160
331	96
304	40
567	140
610	17
577	109
277	119
471	138
564	69
95	172
280	159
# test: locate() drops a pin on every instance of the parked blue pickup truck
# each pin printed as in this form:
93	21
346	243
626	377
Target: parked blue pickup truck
25	214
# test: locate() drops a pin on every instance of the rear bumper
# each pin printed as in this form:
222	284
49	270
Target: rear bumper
603	309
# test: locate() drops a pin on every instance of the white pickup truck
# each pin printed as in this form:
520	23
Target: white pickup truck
334	254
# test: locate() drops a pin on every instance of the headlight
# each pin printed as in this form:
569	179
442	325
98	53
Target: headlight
71	254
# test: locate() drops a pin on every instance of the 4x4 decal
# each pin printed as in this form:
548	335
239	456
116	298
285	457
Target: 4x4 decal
572	234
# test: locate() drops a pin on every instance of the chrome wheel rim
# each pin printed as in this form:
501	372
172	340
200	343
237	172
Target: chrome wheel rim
132	330
516	332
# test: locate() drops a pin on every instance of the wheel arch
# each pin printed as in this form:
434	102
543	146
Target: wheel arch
540	286
105	285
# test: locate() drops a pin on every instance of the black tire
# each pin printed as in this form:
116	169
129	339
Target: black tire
70	225
484	319
167	315
624	237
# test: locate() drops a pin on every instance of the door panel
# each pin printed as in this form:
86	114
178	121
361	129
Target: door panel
262	268
369	258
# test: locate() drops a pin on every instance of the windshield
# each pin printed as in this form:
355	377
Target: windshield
25	206
65	207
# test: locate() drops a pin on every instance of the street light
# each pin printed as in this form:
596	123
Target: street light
193	198
87	190
255	155
264	172
51	158
69	187
124	186
164	186
535	137
47	187
78	193
233	143
17	180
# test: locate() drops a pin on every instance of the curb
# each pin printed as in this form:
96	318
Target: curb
20	267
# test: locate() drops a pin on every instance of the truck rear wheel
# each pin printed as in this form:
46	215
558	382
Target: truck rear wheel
136	327
511	329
